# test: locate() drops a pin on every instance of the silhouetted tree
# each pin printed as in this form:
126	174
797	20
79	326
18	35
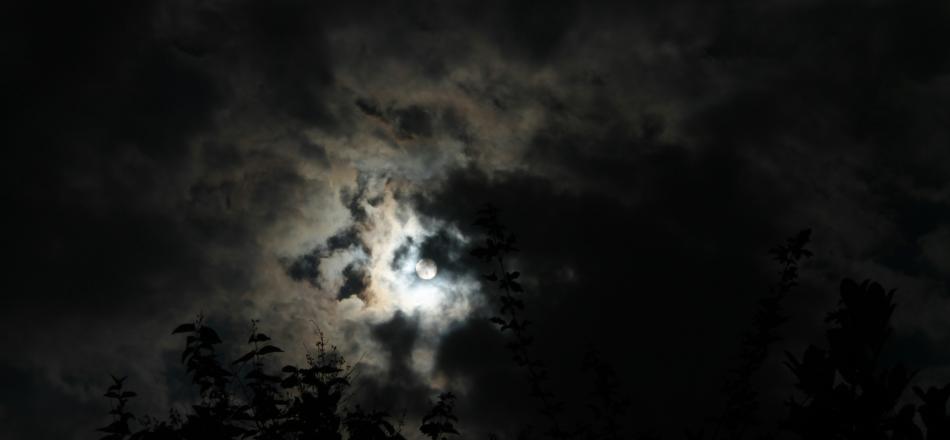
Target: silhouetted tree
119	428
848	392
497	244
439	423
608	406
372	425
302	403
933	411
741	406
215	414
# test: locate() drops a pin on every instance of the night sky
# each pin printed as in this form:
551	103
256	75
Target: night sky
290	161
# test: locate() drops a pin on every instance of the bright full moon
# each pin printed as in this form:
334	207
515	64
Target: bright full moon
426	269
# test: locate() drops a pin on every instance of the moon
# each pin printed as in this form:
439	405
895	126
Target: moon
426	269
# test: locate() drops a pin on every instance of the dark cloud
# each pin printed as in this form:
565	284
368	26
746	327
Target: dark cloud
474	353
398	337
645	288
161	155
126	219
400	390
413	121
355	280
353	198
314	151
306	267
400	254
447	251
286	42
444	247
456	125
344	239
100	106
369	108
28	401
527	29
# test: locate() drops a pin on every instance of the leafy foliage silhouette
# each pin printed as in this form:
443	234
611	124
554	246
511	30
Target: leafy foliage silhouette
741	397
251	402
119	428
844	392
848	393
608	406
497	244
862	407
439	423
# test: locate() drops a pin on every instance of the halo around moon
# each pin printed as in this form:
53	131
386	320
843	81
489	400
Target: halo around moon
426	269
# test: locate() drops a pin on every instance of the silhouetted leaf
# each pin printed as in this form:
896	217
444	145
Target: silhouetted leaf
259	337
257	374
117	427
267	349
183	328
245	358
290	382
208	335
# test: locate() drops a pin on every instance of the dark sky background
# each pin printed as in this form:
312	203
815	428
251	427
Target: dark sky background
278	160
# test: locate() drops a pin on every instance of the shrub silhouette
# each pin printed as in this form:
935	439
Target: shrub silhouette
608	407
497	244
608	404
844	392
439	423
847	391
119	428
741	398
244	400
250	402
862	406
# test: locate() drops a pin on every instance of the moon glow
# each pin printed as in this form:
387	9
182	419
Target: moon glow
426	269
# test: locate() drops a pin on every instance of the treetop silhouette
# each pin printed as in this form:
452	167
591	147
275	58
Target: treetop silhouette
843	392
